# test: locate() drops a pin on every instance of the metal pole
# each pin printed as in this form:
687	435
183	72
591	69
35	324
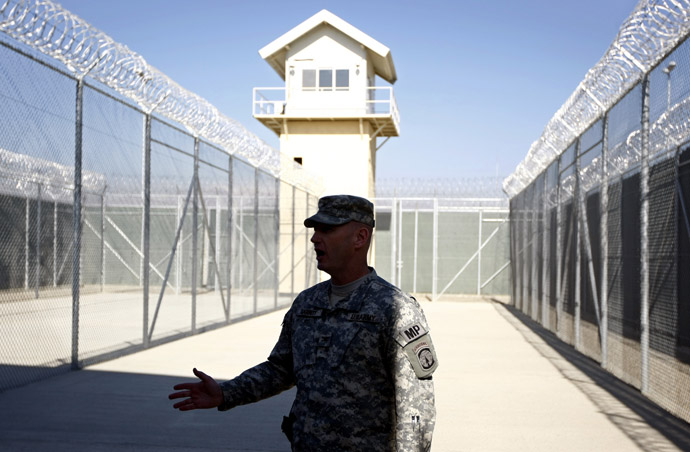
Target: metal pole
604	240
103	240
217	282
255	277
525	243
546	216
644	236
578	252
394	236
178	257
307	261
276	262
416	234
76	222
399	263
434	253
559	250
535	251
292	248
195	227
231	234
38	239
55	265
479	254
146	227
240	247
27	228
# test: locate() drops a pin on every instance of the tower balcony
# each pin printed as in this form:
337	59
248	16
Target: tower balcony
274	107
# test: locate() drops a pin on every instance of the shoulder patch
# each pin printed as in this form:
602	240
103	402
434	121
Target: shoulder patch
411	333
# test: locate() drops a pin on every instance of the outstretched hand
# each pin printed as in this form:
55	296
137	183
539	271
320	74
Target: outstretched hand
202	394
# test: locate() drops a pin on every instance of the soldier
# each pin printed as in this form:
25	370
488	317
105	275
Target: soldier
357	348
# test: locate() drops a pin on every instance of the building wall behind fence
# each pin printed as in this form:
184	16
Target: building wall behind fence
159	250
600	242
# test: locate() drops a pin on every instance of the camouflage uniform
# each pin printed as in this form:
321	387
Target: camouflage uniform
356	387
362	369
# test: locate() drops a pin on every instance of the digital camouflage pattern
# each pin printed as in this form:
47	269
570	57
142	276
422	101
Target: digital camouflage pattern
340	209
357	388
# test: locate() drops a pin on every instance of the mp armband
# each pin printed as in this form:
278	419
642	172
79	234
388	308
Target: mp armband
415	341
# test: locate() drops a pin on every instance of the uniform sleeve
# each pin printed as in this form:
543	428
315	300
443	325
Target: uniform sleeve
264	380
413	362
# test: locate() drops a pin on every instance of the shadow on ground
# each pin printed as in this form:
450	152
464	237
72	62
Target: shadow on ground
638	417
98	411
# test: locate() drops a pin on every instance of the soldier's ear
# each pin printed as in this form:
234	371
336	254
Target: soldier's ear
362	236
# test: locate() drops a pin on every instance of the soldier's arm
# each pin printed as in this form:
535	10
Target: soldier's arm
413	361
264	380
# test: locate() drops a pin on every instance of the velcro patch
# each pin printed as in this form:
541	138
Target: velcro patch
410	333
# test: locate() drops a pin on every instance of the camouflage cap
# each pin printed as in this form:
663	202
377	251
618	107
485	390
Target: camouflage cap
340	209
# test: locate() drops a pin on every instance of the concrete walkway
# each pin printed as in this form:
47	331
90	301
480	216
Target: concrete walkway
504	384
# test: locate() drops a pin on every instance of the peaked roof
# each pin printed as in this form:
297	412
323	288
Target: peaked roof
274	53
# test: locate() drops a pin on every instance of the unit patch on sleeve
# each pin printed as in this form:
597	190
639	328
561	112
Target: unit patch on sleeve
416	343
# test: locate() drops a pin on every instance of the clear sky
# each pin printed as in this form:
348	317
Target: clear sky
477	79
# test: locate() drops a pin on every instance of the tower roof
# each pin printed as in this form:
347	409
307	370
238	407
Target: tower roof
380	55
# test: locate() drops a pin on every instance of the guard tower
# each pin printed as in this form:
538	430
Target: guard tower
330	112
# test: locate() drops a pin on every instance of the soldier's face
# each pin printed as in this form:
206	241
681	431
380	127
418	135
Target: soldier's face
334	247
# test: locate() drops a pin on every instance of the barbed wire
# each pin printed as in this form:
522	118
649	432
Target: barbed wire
86	51
476	187
651	31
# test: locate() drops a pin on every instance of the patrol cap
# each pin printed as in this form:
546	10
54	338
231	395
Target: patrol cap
340	209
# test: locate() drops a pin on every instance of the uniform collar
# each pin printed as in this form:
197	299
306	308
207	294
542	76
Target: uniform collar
351	303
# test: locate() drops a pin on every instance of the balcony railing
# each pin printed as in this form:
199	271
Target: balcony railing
369	102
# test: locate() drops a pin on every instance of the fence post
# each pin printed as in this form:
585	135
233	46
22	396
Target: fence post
546	217
231	232
434	253
416	234
604	240
276	267
255	276
38	238
559	250
195	227
479	254
578	252
55	232
394	239
292	247
76	221
644	236
146	225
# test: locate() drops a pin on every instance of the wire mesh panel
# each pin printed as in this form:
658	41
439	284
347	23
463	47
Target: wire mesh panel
243	194
213	192
36	197
266	245
303	247
174	201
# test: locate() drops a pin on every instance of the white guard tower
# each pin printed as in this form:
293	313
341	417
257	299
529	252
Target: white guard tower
330	112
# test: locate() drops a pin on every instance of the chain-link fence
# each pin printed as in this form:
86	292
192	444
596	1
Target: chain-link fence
122	228
600	239
443	246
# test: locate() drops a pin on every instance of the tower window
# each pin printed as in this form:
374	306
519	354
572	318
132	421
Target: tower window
342	79
309	79
325	79
298	160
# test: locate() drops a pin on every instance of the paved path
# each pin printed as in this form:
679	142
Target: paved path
504	384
